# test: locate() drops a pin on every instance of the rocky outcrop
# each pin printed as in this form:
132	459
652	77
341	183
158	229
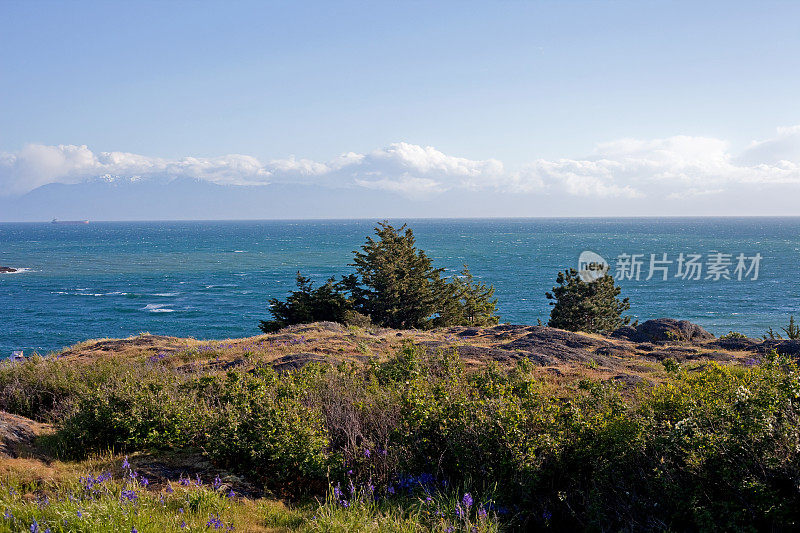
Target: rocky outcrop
550	346
663	330
736	344
7	270
781	346
18	433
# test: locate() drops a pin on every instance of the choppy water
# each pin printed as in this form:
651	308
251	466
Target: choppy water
213	279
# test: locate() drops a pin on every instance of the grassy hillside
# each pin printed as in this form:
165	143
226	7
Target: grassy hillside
325	428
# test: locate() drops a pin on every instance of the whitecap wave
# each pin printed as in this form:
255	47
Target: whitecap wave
157	308
166	294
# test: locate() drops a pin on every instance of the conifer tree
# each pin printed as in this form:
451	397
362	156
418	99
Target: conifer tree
591	307
308	304
395	284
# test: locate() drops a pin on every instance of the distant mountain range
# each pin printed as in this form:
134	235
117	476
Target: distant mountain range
117	198
188	199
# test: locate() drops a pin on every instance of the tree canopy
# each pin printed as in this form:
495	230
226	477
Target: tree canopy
586	306
396	285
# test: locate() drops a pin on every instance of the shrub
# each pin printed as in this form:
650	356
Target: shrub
307	304
262	428
733	335
138	409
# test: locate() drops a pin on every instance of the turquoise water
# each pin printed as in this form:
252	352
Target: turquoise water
213	279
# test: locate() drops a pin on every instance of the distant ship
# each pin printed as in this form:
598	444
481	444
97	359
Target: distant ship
56	221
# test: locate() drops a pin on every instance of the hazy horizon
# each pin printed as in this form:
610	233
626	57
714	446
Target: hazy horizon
270	110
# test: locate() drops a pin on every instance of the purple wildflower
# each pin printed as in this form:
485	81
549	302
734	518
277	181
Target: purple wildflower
367	453
467	500
34	527
169	489
217	483
215	522
125	463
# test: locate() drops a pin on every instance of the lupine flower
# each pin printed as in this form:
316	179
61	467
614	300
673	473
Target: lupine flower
7	515
183	524
390	489
133	530
547	515
125	463
215	522
169	489
145	481
34	527
80	514
482	514
217	483
467	500
367	453
199	481
231	494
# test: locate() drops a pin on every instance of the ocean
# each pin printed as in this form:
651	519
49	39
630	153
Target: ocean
212	280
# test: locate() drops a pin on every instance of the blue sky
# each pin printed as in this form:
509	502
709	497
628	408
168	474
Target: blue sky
547	90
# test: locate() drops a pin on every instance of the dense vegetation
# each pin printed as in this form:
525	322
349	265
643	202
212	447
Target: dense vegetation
394	285
592	307
713	447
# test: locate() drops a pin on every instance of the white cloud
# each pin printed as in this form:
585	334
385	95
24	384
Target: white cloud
671	168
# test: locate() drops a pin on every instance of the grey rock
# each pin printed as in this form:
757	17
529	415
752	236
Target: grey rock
663	330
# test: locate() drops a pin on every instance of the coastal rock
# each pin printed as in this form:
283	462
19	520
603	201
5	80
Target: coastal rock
7	270
783	347
663	330
631	381
738	344
18	432
297	360
548	346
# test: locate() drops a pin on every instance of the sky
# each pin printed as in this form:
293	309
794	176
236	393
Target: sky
552	108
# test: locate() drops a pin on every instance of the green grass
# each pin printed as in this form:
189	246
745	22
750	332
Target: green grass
115	500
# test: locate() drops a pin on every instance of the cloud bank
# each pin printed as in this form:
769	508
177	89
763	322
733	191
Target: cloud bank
673	168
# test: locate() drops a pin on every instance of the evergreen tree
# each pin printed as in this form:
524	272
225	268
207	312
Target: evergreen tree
395	284
467	302
591	307
307	304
